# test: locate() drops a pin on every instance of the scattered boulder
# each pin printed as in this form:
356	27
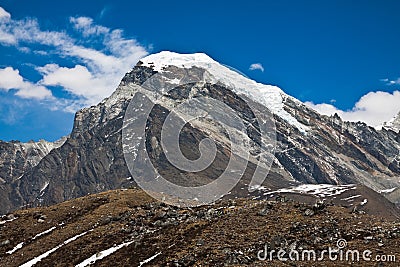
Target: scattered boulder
4	243
309	212
200	242
39	217
265	210
10	217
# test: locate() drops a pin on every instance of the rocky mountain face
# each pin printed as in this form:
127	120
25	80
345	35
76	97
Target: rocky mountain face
310	148
17	158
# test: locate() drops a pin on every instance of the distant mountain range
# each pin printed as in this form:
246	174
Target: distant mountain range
310	148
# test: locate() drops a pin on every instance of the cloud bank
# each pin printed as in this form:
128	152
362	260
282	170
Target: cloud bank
101	56
374	108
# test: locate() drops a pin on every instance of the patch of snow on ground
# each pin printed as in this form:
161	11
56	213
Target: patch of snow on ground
19	246
44	232
102	254
6	221
320	190
258	187
352	197
47	253
149	259
387	190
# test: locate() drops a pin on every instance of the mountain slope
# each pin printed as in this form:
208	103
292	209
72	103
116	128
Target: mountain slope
128	228
310	148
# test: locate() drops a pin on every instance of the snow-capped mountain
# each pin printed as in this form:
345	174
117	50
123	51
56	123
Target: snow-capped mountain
310	148
267	95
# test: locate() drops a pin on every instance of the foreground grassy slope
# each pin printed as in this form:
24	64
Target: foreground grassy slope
231	232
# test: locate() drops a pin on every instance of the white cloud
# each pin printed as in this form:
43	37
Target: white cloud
86	26
11	79
4	14
34	91
78	81
374	108
102	56
256	66
323	108
28	31
24	49
6	38
391	82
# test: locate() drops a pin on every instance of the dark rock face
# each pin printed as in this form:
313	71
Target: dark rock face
16	159
91	160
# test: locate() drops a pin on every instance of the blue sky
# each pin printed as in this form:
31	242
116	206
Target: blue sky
59	56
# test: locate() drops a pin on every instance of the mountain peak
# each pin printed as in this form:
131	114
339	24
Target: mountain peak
270	96
394	123
167	58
